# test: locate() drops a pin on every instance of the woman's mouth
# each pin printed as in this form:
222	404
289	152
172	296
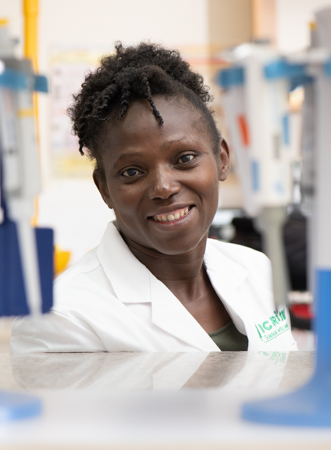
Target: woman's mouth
172	216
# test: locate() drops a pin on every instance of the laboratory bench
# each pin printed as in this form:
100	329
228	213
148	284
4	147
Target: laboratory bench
154	401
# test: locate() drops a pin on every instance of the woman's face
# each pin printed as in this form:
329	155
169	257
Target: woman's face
161	181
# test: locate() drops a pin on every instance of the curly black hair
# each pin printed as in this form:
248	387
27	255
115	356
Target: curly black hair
143	71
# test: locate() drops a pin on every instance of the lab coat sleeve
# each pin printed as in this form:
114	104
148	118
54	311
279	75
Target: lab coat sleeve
53	332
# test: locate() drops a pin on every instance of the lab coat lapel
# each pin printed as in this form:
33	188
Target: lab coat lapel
134	283
170	315
129	278
226	276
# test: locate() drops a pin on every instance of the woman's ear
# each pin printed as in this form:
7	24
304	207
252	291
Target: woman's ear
225	160
100	182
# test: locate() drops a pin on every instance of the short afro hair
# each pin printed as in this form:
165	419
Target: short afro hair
132	73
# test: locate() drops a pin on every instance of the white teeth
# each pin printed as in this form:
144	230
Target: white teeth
171	217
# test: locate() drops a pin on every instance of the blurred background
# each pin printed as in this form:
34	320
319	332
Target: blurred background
74	34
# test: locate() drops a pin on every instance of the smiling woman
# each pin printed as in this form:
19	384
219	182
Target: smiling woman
163	186
155	282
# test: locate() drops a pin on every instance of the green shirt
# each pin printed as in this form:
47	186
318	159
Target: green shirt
229	339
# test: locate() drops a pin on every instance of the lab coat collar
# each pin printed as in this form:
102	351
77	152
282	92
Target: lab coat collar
169	314
128	277
225	274
134	283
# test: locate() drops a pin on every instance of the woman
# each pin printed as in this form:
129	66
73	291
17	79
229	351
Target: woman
155	283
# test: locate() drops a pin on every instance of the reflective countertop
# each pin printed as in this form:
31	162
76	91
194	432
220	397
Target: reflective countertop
154	371
154	401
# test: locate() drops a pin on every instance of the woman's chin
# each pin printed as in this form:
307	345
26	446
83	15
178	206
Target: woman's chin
182	246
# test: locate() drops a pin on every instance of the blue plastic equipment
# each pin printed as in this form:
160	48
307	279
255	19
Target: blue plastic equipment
13	292
311	405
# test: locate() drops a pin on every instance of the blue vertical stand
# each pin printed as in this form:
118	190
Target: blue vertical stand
15	406
310	405
12	292
18	406
13	300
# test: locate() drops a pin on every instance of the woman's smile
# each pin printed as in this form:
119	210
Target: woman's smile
161	181
172	216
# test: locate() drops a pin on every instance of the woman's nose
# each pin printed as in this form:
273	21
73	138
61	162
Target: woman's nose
163	184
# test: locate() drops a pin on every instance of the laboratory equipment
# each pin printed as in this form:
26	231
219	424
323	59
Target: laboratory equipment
255	102
26	253
25	283
310	405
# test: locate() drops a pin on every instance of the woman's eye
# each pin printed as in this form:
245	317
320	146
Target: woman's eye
185	159
130	172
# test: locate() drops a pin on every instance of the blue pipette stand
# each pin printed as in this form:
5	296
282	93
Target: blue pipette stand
13	301
13	298
310	405
15	406
18	406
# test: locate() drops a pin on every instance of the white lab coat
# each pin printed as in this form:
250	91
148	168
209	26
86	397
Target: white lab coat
109	301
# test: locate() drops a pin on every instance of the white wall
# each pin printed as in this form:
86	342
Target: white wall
172	22
293	17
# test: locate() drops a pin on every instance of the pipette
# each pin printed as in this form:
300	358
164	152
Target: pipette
255	102
20	161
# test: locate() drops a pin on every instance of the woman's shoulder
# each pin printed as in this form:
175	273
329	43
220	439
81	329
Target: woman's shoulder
88	263
83	281
244	256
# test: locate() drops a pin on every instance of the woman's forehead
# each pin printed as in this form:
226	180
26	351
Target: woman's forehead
181	121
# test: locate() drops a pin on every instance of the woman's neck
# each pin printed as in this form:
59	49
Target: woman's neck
186	277
180	273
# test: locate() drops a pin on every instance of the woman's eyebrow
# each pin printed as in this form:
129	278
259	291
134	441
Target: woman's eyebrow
174	141
127	155
186	139
166	144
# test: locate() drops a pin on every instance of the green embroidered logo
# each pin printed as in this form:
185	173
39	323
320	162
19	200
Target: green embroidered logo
273	327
